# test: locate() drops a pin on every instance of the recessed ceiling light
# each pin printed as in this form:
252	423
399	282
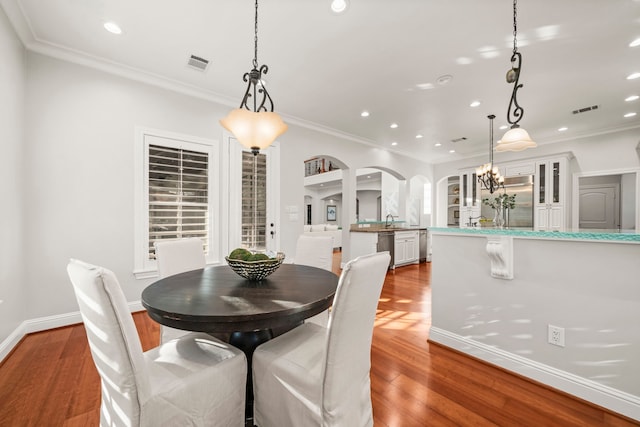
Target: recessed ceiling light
632	98
503	127
475	104
418	136
425	86
339	6
437	144
394	143
452	151
630	115
562	129
633	76
635	43
364	114
112	27
393	125
368	176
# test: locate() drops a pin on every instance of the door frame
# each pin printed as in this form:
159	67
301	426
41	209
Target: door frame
232	199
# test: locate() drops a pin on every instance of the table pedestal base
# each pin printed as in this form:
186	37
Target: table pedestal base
247	342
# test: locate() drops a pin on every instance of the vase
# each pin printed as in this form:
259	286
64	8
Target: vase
498	218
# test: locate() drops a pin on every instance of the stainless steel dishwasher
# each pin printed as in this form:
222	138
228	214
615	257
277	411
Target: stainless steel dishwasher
386	243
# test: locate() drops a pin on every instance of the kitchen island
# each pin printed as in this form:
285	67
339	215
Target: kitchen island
406	245
561	308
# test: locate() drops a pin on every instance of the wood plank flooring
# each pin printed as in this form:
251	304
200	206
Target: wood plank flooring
50	380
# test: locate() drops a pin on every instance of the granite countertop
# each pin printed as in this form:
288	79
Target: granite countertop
592	235
383	229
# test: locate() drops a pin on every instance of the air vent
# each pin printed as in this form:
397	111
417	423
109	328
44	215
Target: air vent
198	63
585	109
464	138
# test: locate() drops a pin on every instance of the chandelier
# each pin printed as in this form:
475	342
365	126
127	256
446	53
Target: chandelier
254	124
488	175
516	138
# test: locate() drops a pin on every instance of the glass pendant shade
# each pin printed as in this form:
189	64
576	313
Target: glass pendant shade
515	139
255	131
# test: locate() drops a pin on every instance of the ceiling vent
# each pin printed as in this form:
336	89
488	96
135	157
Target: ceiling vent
198	63
464	138
585	109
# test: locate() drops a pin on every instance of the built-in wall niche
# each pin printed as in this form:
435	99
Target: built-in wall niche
606	200
368	191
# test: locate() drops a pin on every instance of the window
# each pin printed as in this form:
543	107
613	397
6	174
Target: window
178	185
177	191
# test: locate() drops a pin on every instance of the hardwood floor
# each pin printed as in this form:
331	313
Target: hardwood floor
50	380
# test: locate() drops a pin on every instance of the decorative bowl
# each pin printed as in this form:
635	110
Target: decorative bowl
255	270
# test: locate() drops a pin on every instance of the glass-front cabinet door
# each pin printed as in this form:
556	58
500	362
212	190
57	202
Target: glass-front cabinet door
549	196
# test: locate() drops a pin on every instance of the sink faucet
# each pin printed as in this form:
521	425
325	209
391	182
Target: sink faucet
471	223
386	221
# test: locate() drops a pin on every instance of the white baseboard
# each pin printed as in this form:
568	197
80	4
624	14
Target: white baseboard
11	341
591	391
44	323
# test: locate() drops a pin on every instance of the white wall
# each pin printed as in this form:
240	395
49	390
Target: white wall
368	204
628	201
570	284
12	87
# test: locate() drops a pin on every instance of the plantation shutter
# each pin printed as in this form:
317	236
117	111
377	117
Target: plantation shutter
254	200
178	195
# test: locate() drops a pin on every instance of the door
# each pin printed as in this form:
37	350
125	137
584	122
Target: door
254	182
598	206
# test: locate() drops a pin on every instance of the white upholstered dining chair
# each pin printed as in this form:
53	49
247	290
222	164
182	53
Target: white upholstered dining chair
195	380
315	376
315	251
173	257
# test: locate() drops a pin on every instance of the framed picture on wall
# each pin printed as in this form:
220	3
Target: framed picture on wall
331	212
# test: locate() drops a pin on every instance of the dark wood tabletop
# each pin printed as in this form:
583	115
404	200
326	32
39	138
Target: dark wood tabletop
216	299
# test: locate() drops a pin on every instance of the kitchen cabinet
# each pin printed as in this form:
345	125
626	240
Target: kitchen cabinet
453	201
406	247
470	202
550	198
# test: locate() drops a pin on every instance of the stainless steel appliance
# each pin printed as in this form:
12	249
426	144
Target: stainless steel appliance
522	214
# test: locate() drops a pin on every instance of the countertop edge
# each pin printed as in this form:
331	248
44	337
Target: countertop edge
586	236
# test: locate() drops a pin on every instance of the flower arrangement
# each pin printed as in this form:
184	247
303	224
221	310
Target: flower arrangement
500	204
503	201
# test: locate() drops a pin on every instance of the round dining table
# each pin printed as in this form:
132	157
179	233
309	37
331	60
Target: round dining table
245	313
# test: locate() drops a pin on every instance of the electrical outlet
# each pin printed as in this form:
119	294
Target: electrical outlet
555	335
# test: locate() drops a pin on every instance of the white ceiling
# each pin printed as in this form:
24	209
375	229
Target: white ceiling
324	69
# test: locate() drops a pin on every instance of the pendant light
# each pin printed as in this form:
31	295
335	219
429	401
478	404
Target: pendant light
516	138
488	175
255	127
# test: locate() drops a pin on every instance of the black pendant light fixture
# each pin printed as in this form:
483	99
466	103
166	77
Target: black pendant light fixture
516	138
488	175
254	123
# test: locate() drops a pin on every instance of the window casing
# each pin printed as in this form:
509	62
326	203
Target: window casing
177	185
